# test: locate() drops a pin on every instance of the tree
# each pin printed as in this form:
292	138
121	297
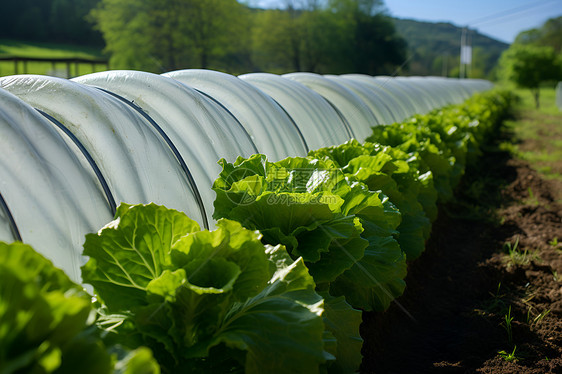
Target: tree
163	35
68	22
275	39
335	36
379	49
368	40
30	24
49	20
549	34
214	28
528	66
289	39
128	33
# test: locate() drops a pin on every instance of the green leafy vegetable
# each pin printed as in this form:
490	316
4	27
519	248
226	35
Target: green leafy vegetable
45	321
342	324
202	300
393	172
312	208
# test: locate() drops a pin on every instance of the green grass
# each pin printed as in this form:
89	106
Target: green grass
538	133
515	256
47	50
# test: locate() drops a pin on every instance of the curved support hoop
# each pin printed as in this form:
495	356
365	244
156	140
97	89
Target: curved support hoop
175	151
11	221
97	171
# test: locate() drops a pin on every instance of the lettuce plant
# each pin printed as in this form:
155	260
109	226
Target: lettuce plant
396	174
204	301
46	323
410	137
342	230
446	139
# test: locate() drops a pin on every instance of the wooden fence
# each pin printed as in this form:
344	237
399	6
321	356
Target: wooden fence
21	64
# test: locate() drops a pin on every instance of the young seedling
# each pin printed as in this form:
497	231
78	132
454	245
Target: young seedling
508	247
532	200
506	324
509	356
494	304
554	243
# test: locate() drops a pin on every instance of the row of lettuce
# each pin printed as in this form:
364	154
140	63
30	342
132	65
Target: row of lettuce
302	247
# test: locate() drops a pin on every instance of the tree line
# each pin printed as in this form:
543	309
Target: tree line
63	21
324	36
333	36
535	58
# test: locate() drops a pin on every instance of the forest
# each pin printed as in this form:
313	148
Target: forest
335	36
322	36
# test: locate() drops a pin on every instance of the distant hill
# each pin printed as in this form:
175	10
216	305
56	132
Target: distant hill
435	48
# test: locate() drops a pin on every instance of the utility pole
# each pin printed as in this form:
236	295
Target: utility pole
469	53
466	54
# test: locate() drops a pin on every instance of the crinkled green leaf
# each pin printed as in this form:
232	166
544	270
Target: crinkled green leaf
219	291
413	137
342	154
345	247
44	318
131	251
372	206
329	237
300	174
307	225
281	328
427	196
238	247
343	322
377	279
287	212
413	233
386	169
35	268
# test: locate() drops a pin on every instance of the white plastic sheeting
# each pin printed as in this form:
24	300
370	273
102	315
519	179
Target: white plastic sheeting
74	149
131	155
378	100
197	129
355	111
317	120
52	195
270	127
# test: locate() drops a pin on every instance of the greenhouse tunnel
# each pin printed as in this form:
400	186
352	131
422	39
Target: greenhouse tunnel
73	150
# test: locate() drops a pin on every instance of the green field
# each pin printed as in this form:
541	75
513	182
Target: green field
13	48
538	132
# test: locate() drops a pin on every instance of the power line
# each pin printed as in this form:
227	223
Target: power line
466	48
512	17
505	13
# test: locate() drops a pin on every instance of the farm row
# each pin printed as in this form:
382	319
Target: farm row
302	247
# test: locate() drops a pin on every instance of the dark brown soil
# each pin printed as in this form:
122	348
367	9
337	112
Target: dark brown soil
451	318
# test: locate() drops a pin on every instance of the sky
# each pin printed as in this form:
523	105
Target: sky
500	19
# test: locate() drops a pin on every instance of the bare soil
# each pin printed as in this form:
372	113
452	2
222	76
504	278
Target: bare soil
452	316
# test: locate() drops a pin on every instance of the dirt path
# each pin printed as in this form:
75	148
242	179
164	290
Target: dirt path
464	287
